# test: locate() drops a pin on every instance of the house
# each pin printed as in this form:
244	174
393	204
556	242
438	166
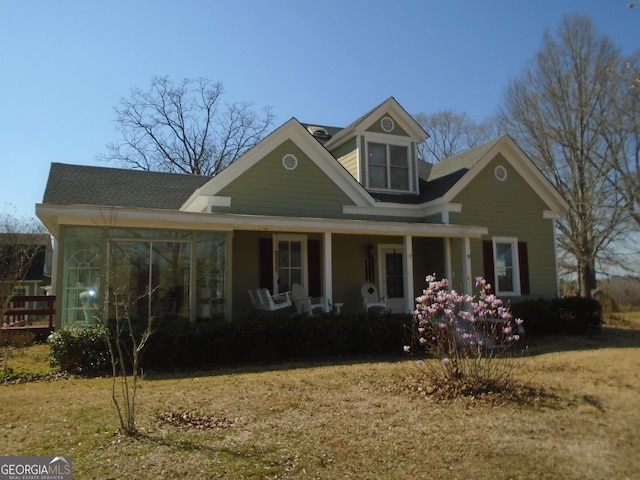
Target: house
324	207
34	276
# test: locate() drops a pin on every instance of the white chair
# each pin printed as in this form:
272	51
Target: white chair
262	299
303	302
371	299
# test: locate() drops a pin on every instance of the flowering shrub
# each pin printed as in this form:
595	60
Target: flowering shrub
465	333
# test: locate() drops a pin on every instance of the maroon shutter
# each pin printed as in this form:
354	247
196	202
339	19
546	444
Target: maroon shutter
523	257
314	262
265	262
489	271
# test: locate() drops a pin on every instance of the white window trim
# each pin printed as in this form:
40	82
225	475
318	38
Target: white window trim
303	252
394	140
513	241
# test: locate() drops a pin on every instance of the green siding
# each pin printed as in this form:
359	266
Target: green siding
377	128
268	188
347	155
509	209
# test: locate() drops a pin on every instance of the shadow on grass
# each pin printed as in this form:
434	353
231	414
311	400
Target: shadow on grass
274	366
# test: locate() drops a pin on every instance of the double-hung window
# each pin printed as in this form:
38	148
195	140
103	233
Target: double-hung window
506	265
388	166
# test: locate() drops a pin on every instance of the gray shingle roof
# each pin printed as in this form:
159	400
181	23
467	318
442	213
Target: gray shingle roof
88	185
464	160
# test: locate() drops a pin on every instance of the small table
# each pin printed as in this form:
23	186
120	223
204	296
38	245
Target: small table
338	307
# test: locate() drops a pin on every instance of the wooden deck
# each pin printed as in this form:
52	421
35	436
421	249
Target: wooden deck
21	307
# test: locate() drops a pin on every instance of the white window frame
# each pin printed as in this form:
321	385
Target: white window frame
513	242
277	237
390	140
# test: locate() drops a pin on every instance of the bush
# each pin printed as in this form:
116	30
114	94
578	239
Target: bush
571	315
540	316
260	338
82	350
466	334
579	315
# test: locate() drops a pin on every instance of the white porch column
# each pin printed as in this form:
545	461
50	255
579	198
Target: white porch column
466	266
54	266
327	278
447	258
409	295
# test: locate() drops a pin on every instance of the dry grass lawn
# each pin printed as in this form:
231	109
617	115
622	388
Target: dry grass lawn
353	420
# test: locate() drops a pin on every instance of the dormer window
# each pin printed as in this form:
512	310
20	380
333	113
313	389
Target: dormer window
388	167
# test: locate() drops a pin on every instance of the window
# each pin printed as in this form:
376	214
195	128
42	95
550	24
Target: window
290	264
288	259
148	272
388	166
150	278
506	266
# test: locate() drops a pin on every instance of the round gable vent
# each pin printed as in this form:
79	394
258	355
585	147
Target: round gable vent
387	124
501	173
289	161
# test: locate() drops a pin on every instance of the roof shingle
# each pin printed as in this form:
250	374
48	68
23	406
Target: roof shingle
89	185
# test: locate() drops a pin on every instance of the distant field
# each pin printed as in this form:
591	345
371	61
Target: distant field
352	420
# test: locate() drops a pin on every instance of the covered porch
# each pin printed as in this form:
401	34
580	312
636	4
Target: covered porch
201	265
333	259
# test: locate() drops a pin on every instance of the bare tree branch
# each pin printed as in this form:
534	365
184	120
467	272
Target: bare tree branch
184	128
451	133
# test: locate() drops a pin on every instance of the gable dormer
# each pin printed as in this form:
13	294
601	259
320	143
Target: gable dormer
380	149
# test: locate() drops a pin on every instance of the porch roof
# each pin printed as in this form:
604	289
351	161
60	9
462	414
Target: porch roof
55	215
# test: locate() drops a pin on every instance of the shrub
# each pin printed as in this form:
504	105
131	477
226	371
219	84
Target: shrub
81	350
260	338
571	314
578	315
540	316
466	334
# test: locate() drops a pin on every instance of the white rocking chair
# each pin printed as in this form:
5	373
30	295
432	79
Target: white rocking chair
304	303
370	298
262	299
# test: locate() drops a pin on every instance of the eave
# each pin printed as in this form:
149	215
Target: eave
55	215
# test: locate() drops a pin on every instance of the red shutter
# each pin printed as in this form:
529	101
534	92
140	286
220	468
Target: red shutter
489	270
265	262
314	262
523	257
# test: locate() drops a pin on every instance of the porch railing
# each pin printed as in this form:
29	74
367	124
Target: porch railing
22	306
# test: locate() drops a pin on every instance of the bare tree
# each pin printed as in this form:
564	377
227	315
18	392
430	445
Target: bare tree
20	244
559	111
184	128
451	133
622	133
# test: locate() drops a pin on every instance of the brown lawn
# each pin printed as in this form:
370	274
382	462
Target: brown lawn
353	420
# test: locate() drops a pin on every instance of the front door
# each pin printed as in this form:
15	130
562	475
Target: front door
392	276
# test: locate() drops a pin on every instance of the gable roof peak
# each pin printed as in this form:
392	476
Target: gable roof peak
414	129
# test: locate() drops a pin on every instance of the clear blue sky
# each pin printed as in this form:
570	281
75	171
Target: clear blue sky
64	64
